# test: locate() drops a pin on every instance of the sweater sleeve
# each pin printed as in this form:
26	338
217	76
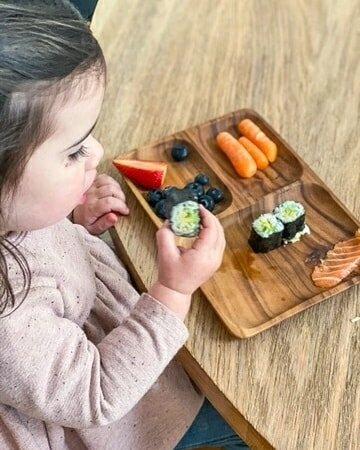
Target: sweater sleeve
51	371
104	255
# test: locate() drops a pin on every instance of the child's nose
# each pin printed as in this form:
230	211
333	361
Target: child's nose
96	153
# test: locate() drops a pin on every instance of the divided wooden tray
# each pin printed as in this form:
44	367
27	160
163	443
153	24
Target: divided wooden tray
252	292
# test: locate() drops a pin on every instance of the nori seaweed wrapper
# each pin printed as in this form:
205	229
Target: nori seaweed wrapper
291	228
264	245
266	240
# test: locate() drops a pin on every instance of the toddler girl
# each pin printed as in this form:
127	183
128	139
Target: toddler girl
85	362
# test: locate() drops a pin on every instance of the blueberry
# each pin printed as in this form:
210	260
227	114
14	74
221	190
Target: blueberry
177	195
167	190
196	187
195	196
207	201
179	152
154	196
201	178
216	193
160	209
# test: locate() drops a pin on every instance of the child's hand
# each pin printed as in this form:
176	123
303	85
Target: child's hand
103	200
182	271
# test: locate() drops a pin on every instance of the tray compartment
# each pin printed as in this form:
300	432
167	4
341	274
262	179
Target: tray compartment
252	292
283	172
179	173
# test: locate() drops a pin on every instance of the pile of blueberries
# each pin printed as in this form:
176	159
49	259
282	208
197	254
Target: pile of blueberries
206	197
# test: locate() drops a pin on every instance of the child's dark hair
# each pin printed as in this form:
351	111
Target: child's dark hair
45	47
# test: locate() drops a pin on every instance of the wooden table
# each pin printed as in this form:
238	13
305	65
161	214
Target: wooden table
173	64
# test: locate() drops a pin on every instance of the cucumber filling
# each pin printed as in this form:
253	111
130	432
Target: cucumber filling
266	225
185	219
289	211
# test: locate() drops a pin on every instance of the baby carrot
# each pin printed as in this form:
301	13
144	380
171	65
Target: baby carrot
240	158
261	160
248	128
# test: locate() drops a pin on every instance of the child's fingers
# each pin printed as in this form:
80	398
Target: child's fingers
220	235
211	233
104	186
103	179
109	190
211	239
166	244
109	204
103	223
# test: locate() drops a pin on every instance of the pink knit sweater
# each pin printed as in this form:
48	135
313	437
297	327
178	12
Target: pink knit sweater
85	362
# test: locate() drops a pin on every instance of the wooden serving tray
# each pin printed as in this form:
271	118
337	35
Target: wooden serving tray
252	292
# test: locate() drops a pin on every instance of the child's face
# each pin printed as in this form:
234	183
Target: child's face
61	169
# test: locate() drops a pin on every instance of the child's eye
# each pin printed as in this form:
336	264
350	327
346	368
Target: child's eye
79	154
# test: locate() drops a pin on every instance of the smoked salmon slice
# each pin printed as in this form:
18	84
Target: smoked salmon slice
338	263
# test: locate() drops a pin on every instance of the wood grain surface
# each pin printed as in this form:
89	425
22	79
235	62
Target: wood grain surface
172	65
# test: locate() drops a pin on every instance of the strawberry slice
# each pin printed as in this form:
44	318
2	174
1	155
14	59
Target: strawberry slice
148	174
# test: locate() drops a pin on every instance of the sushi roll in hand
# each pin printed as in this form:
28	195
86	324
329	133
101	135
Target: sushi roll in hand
266	233
182	210
185	219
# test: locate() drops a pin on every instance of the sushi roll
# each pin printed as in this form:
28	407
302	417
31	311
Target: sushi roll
174	195
292	215
185	219
266	233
